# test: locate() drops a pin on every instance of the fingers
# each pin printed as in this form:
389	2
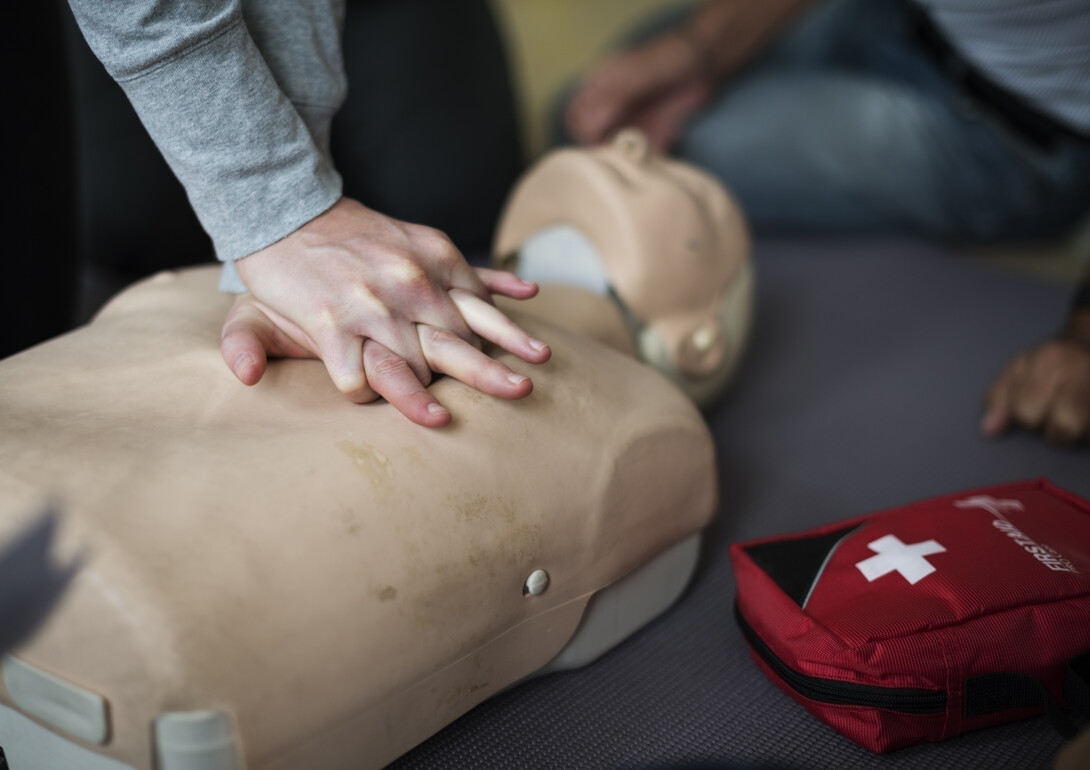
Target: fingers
506	284
361	371
1033	388
1068	420
354	287
343	358
1047	390
400	338
390	320
364	370
352	272
389	376
450	355
252	333
425	274
451	266
484	319
996	417
1020	396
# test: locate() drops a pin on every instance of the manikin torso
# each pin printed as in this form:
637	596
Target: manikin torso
299	581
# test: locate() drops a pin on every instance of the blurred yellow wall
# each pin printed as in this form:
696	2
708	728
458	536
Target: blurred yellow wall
552	41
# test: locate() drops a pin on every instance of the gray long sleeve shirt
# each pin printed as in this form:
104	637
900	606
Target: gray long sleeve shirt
239	98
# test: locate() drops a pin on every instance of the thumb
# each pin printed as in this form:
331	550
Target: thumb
242	349
250	336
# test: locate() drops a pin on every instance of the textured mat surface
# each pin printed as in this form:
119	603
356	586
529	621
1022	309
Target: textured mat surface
861	391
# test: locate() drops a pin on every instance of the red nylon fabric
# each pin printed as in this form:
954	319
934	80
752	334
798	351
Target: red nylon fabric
1002	585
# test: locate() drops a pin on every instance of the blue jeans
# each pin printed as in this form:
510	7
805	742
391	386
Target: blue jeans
846	125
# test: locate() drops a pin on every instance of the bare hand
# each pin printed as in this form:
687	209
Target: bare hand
253	332
1045	389
366	293
655	87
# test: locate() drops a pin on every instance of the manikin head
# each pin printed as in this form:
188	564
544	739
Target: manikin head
661	238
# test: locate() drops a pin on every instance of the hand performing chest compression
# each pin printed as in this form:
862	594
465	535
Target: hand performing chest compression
384	304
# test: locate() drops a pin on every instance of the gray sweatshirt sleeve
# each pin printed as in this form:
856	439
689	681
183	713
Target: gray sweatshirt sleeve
239	101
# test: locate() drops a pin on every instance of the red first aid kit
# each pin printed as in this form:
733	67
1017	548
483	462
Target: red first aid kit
922	622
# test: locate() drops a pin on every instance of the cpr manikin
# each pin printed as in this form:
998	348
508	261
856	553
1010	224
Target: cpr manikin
274	577
660	238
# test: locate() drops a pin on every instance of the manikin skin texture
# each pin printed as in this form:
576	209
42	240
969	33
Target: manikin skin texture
340	581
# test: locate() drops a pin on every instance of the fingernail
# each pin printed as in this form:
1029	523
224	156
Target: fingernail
437	410
537	345
516	379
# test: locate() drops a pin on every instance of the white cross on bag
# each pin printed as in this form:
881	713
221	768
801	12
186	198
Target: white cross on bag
895	556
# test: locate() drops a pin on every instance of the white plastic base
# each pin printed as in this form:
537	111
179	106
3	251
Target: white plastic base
29	746
621	609
62	704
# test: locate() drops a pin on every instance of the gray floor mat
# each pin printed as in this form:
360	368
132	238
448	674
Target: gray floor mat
861	391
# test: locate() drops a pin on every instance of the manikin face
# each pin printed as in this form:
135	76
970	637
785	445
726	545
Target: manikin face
661	237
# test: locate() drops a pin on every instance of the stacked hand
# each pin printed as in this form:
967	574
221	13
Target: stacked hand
1045	389
383	304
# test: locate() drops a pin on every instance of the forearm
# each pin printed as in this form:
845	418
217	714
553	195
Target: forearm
725	34
300	42
248	160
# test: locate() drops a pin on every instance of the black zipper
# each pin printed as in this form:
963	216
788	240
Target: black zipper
907	700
